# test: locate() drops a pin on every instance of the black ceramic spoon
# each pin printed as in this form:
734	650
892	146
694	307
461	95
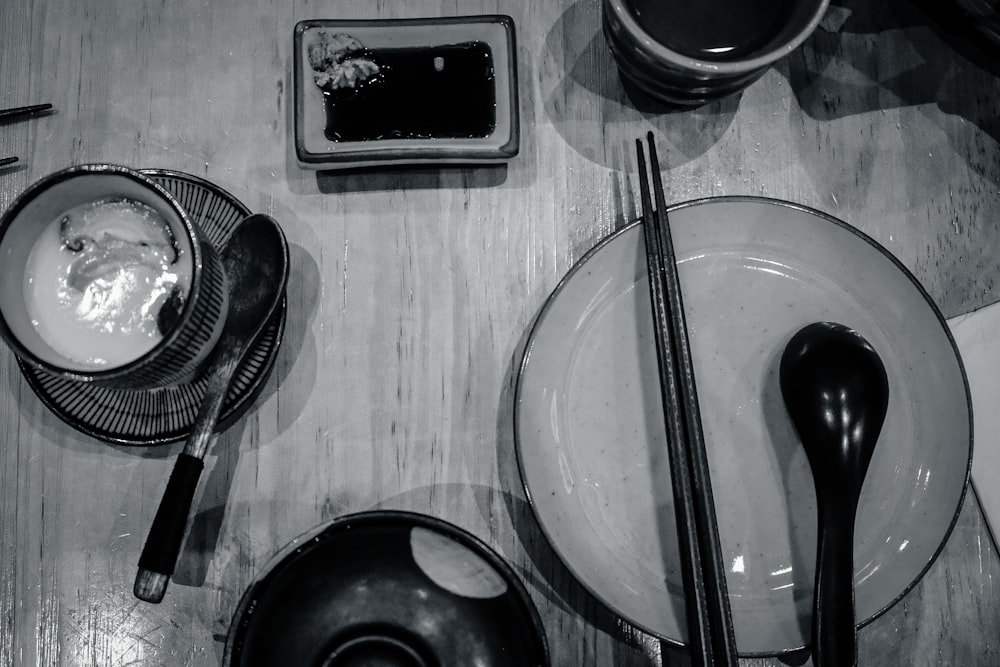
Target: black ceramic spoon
836	391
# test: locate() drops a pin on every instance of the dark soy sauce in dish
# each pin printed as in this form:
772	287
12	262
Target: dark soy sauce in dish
712	29
423	92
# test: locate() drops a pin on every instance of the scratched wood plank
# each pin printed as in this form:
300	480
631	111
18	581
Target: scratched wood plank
412	290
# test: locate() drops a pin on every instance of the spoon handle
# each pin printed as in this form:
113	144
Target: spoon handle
166	533
163	543
834	642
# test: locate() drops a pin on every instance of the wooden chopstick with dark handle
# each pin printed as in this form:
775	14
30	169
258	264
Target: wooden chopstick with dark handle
710	626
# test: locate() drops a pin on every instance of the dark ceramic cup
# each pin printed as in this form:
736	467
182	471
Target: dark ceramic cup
62	274
680	53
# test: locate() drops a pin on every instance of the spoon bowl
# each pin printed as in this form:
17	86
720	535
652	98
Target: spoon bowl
836	391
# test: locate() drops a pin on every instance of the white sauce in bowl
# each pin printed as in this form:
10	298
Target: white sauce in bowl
97	278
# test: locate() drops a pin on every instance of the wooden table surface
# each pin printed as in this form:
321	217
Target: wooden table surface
411	292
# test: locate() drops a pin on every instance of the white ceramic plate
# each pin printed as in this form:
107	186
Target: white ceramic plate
591	443
315	151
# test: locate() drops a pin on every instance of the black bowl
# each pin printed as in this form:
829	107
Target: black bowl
387	588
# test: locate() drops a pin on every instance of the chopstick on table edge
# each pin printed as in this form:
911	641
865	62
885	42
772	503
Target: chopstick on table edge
710	624
7	161
18	112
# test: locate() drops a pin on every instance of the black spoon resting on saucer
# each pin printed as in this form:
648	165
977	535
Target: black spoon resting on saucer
836	391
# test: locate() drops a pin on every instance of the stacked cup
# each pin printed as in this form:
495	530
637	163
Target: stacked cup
689	52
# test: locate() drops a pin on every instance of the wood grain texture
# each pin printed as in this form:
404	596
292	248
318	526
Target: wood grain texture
411	293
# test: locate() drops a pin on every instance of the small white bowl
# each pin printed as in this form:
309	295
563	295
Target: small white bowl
314	150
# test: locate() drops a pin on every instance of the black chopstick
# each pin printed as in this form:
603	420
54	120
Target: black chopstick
18	112
710	624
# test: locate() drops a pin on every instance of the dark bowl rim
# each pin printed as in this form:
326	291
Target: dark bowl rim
382	516
616	9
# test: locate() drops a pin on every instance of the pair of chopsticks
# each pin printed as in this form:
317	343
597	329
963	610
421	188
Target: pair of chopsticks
18	113
710	624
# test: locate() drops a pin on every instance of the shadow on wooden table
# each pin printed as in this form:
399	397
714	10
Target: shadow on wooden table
548	575
209	510
590	96
433	177
211	505
882	54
